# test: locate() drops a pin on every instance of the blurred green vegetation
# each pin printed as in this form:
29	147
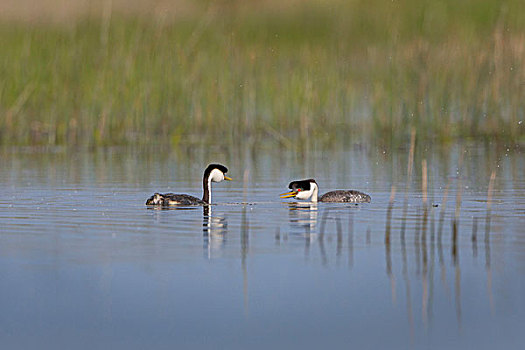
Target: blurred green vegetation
315	72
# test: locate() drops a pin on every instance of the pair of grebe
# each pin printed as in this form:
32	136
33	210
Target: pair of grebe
302	189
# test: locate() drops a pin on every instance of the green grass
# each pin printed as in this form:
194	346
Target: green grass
358	70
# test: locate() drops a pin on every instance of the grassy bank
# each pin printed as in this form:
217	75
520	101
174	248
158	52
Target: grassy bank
343	70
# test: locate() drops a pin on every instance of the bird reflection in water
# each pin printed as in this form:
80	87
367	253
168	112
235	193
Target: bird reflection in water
214	231
303	221
303	217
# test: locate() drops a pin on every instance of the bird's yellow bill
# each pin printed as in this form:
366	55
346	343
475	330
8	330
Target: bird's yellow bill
288	194
227	178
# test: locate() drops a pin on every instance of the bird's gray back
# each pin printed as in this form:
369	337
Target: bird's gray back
345	196
168	199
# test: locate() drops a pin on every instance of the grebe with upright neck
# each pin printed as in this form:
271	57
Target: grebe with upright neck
213	173
308	189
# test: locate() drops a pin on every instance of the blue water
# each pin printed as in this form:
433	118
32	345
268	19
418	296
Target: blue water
84	263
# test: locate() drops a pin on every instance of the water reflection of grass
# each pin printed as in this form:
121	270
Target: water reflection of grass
355	69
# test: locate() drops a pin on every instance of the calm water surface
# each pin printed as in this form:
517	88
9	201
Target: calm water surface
84	264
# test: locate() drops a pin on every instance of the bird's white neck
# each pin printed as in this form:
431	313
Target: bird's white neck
215	176
209	189
315	192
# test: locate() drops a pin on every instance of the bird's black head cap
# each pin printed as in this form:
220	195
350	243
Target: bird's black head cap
303	185
215	166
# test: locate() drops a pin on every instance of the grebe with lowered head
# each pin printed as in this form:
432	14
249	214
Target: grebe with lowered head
305	189
213	173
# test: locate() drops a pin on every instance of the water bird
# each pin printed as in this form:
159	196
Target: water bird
306	189
213	173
